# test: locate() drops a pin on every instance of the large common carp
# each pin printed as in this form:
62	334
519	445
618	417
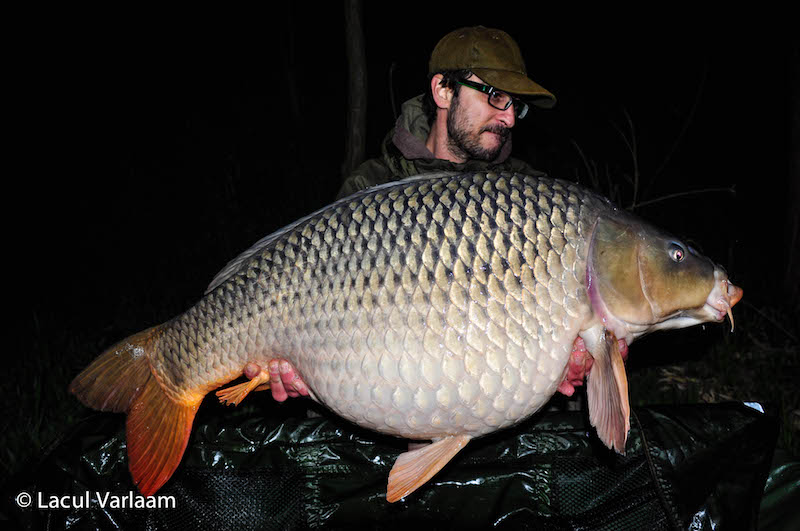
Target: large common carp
439	307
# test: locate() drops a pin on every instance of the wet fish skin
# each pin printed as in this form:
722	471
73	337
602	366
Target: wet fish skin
440	307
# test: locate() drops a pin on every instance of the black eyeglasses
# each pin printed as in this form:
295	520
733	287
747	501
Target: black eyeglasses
498	99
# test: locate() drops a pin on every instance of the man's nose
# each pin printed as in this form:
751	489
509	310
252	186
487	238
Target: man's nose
508	117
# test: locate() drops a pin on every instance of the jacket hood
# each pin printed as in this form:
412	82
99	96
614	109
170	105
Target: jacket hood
411	132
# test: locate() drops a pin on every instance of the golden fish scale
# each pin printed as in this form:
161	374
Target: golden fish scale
427	308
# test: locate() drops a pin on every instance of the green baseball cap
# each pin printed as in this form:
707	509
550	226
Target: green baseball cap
493	56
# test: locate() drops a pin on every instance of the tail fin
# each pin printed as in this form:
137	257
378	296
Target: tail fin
157	431
158	426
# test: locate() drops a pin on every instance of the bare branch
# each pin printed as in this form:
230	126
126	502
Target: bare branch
731	190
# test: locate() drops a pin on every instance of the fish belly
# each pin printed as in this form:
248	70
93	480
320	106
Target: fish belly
423	386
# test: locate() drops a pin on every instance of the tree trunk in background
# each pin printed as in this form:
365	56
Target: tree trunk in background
357	88
791	281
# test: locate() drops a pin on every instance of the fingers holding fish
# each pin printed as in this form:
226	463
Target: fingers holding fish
251	370
580	363
285	381
279	392
623	349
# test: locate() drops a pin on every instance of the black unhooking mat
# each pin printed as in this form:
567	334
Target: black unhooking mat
698	467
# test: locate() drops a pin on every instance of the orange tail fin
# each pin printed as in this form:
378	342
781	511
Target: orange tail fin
158	427
157	432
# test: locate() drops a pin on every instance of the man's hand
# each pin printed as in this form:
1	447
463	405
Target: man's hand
285	382
580	363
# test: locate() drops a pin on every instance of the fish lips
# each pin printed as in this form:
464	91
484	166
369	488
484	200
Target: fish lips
721	299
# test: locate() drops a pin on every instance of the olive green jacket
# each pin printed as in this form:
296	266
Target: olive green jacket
404	154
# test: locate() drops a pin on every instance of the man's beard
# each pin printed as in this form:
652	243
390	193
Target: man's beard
466	144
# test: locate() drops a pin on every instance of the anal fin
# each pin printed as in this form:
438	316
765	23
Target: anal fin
413	469
607	388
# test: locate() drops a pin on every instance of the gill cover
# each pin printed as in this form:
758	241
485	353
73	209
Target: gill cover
645	276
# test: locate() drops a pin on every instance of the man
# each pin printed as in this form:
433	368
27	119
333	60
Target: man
462	123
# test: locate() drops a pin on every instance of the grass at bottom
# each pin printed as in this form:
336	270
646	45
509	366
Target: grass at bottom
757	363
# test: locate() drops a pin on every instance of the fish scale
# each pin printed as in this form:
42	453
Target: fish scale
443	306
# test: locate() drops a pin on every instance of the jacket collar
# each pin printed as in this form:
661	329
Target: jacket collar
411	133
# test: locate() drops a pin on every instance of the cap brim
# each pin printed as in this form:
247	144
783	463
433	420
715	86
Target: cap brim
517	84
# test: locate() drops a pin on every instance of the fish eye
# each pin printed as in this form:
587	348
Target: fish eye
677	253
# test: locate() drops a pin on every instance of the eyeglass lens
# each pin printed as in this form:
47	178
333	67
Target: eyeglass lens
502	101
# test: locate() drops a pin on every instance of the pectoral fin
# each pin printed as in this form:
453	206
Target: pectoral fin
609	407
413	469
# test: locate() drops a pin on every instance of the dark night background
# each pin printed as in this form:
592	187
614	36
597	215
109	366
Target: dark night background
147	155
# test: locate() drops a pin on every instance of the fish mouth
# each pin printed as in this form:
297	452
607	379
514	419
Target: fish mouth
722	298
717	305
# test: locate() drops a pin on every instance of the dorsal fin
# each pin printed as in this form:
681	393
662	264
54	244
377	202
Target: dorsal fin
234	265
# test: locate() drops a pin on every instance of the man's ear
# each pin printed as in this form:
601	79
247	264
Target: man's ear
442	96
